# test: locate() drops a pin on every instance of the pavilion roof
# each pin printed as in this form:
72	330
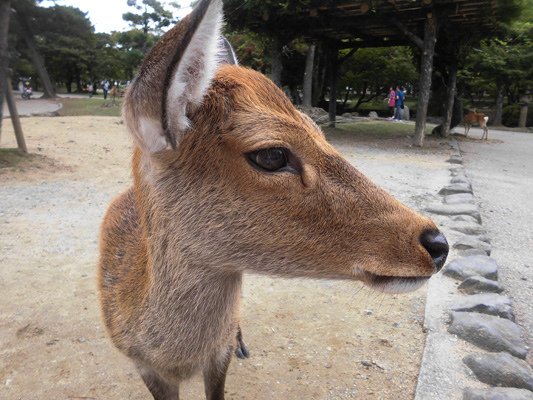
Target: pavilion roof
366	23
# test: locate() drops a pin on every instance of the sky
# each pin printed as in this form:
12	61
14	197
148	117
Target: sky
106	15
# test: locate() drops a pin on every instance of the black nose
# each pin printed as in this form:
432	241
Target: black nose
436	245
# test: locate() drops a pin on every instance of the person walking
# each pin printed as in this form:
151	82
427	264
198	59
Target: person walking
391	101
400	97
105	88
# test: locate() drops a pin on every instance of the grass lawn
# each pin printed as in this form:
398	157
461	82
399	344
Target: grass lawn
377	128
90	106
13	158
379	104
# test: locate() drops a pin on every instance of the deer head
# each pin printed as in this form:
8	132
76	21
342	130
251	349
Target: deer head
230	176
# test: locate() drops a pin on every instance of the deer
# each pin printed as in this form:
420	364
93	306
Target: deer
229	178
475	118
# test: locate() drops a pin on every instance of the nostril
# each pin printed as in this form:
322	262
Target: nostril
436	245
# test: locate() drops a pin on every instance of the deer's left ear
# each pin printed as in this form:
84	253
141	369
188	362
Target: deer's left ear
175	77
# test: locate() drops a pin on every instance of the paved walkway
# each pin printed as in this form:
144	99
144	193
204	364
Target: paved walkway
502	178
38	106
34	106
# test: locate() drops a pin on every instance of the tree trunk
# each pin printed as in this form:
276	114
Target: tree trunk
361	97
277	65
333	72
308	76
426	69
12	105
319	75
79	88
499	107
452	83
35	56
295	95
346	97
523	112
4	55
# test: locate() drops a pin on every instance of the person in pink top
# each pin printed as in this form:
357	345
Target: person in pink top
391	99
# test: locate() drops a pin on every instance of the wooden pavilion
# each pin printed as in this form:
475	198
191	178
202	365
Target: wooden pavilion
352	24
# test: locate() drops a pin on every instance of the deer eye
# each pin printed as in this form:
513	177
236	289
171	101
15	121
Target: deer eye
271	160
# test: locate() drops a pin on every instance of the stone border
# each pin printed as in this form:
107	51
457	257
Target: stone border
466	314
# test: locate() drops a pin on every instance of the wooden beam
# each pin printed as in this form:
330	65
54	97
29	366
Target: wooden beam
347	55
410	35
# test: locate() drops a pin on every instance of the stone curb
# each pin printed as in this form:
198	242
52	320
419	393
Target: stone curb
466	312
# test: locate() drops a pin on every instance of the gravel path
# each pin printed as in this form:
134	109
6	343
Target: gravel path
308	339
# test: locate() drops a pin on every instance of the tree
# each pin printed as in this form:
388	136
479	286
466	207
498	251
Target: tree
502	66
66	39
151	17
27	13
4	59
126	48
250	47
369	72
111	59
267	18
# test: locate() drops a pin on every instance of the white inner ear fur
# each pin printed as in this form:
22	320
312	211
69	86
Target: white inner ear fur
152	135
194	71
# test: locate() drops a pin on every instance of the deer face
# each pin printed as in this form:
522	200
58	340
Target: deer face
238	179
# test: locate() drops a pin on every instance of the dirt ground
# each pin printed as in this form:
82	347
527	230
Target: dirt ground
308	339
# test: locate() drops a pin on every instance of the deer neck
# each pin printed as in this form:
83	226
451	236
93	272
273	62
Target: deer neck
182	286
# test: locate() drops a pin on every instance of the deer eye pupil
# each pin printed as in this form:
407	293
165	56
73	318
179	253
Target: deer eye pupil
272	159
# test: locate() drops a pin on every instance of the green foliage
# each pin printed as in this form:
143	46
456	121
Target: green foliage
250	47
73	53
511	114
147	22
65	38
151	16
504	62
369	72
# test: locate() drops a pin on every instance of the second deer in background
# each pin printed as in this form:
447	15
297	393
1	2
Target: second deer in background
475	118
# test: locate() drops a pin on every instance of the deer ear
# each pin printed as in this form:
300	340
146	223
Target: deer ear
226	53
174	78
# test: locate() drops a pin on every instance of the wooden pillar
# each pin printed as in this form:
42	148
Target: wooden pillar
308	76
277	65
12	106
333	60
426	70
452	84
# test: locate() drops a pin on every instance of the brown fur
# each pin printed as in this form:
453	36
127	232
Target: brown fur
475	118
175	245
